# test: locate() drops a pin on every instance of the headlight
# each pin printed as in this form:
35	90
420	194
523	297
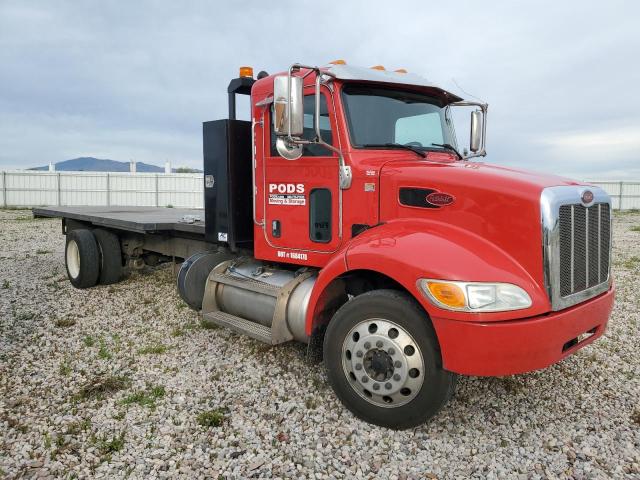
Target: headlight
475	296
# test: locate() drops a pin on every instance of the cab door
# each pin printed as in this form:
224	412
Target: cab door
302	196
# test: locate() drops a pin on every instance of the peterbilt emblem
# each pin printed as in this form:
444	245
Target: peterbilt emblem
440	199
587	197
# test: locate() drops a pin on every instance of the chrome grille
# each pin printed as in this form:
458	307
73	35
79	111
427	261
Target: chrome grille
584	246
576	244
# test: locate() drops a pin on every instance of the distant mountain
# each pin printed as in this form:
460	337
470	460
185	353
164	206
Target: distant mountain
90	164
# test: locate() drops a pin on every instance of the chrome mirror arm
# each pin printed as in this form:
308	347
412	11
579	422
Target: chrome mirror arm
483	108
345	170
345	174
296	67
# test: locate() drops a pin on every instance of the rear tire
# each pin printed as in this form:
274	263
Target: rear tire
383	360
82	258
110	256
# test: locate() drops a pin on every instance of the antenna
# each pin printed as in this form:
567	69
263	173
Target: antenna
463	90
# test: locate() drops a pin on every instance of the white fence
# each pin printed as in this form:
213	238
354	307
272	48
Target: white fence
624	195
24	188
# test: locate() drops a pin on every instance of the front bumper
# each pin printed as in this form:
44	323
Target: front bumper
518	346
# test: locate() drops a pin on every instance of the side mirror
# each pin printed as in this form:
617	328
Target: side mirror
476	131
288	112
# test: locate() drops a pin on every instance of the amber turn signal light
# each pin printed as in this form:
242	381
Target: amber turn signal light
448	294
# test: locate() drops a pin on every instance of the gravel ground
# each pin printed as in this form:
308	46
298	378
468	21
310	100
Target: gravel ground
123	381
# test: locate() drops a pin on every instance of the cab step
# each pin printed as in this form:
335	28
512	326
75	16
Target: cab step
241	325
245	283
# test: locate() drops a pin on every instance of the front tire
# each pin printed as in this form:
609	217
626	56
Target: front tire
383	360
82	258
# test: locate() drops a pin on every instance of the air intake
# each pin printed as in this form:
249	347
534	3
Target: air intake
576	244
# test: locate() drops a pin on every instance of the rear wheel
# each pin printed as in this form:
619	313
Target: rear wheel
82	258
110	256
384	362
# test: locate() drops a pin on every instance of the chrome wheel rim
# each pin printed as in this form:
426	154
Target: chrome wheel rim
73	259
383	363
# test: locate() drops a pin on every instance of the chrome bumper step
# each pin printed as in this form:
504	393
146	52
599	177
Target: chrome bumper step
241	325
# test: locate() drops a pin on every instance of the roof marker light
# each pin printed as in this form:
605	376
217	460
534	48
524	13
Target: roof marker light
378	67
246	72
400	70
338	62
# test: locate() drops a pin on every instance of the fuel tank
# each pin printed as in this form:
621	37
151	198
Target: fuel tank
250	289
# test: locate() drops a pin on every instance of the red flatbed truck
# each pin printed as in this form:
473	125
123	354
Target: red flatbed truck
343	216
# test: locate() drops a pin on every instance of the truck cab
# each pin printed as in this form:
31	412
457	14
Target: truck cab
313	197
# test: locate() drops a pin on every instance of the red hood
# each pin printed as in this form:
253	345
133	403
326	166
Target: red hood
499	204
494	179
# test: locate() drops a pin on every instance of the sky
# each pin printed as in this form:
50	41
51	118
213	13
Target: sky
135	80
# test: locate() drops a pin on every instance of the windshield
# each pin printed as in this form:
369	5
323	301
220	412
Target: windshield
379	116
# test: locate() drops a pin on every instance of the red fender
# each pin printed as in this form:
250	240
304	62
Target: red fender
336	267
409	249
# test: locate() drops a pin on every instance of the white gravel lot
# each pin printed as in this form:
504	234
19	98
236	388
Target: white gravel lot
110	382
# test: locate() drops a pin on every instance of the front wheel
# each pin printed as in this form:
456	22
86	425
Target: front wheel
383	360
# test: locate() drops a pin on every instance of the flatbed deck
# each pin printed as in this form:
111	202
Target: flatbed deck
133	219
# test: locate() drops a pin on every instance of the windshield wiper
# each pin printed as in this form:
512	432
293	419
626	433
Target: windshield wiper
448	146
396	145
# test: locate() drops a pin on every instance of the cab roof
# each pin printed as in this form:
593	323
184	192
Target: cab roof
363	74
350	73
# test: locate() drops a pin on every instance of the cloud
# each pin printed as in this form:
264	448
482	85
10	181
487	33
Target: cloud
584	153
137	80
616	141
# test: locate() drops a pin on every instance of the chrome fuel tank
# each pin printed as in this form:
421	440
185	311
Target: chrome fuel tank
249	289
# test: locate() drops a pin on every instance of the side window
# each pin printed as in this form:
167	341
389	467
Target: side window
425	128
320	215
309	132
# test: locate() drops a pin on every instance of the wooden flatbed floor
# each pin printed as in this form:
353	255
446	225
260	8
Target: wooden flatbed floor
133	219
